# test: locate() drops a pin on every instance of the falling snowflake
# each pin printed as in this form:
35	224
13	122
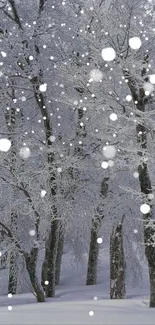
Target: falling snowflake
136	175
145	208
151	196
95	298
3	54
46	283
99	240
9	295
135	231
128	98
104	165
52	138
5	145
149	88
110	163
25	153
152	78
113	117
43	87
43	193
108	54
96	75
135	43
91	313
23	99
9	307
32	232
59	169
109	152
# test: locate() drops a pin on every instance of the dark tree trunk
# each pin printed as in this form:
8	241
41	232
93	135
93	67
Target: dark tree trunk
144	179
11	122
13	266
149	230
93	252
13	273
117	264
94	246
44	273
31	263
49	265
31	259
51	255
152	282
59	257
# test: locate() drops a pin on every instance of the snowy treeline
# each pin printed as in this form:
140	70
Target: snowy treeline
77	134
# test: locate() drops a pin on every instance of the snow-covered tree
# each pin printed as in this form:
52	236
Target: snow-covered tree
77	105
115	75
46	176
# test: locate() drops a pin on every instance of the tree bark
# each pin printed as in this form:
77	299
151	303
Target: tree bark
51	256
93	252
44	274
117	264
59	257
152	283
49	266
13	267
11	122
94	248
149	230
13	275
144	179
31	263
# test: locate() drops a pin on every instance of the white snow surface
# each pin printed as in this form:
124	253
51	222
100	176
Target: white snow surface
77	312
74	301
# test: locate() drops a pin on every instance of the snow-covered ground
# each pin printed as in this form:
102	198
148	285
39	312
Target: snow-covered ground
77	312
74	301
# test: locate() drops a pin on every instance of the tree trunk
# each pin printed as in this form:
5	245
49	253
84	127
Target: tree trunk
152	283
13	267
44	275
59	257
149	230
117	264
13	275
31	263
144	179
11	122
94	248
51	255
93	253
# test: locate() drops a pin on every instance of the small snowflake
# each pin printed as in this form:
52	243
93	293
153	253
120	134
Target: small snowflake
99	240
9	295
91	313
46	283
32	232
43	87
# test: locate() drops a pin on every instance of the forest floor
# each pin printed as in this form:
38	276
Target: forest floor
75	302
118	312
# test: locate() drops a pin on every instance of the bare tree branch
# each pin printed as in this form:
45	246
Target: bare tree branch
15	13
10	235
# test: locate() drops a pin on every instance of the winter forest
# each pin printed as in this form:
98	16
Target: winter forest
77	158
